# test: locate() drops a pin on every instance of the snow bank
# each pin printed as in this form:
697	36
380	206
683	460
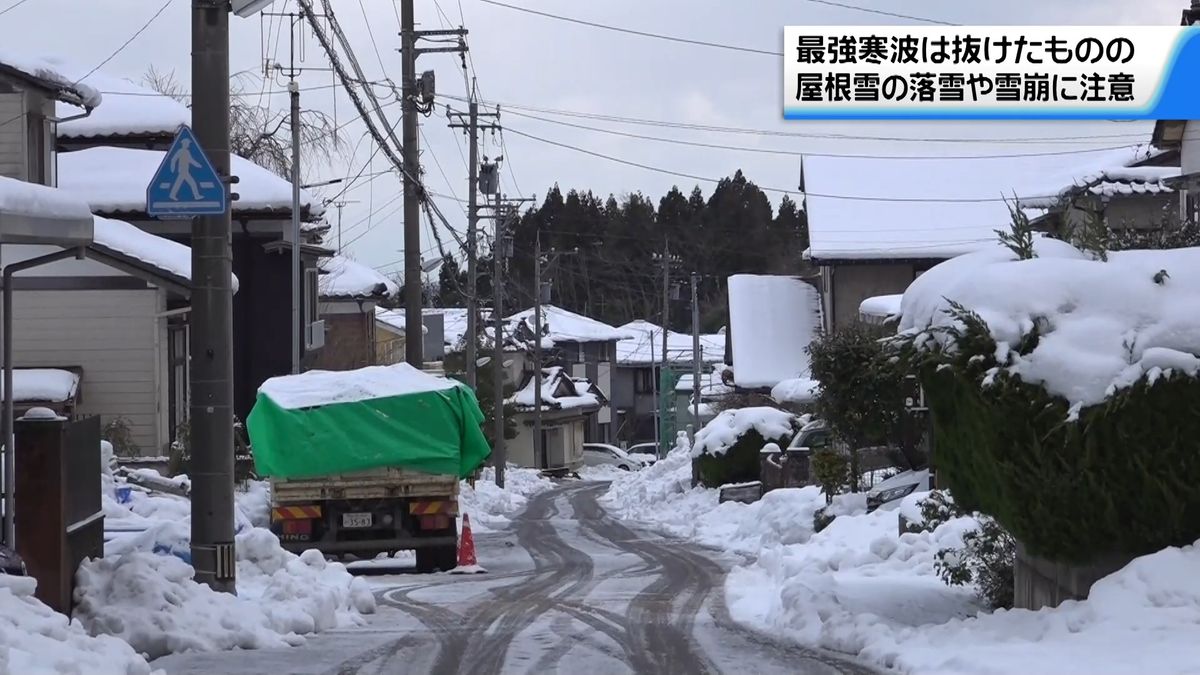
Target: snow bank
152	601
36	640
774	318
881	306
326	387
726	428
491	507
1103	325
343	277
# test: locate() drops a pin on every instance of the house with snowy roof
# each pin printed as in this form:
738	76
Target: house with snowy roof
350	293
109	317
635	384
1126	190
584	346
108	159
567	406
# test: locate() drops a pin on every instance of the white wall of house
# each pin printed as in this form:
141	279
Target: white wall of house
118	341
565	441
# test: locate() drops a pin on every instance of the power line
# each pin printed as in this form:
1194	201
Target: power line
13	6
127	42
680	174
794	134
631	31
881	12
802	153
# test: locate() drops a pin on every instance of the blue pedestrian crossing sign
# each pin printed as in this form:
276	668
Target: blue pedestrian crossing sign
186	184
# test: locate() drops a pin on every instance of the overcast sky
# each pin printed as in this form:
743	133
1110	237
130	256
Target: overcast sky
534	61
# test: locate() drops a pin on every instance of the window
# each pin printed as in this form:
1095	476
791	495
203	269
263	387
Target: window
644	381
311	290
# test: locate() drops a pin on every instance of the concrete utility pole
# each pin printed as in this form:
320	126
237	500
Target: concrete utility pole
666	320
414	348
539	447
472	126
297	284
499	452
695	352
211	353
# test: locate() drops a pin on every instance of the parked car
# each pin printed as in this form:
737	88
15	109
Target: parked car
812	436
646	452
603	454
887	495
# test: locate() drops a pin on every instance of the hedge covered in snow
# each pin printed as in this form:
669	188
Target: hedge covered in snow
1064	395
727	448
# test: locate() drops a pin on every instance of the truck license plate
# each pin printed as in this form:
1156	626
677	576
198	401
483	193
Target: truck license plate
356	520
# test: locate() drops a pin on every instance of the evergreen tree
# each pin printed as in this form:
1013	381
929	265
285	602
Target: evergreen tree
452	284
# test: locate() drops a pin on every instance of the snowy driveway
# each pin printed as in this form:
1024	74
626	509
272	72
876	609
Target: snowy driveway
569	588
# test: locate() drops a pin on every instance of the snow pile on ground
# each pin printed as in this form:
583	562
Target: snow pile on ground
491	507
1103	325
725	429
856	580
603	472
152	601
36	640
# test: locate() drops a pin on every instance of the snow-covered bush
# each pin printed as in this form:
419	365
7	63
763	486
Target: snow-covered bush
831	469
985	560
727	448
1064	393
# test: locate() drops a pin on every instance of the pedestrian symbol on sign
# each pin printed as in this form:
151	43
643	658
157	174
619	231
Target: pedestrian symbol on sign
186	183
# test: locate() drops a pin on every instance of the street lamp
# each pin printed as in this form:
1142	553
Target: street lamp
248	8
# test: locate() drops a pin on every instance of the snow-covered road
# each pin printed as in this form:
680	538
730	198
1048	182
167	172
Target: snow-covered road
568	588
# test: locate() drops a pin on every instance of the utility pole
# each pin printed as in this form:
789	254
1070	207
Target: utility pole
666	319
414	348
499	452
414	192
472	127
695	353
211	405
340	204
297	286
539	447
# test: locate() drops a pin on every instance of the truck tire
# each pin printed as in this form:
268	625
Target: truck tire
436	559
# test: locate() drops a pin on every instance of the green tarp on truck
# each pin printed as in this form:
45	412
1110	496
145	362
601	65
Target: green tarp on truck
328	422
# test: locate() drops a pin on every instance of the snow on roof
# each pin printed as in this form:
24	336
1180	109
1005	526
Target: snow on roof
52	75
876	229
326	387
577	392
719	435
1103	325
774	318
43	384
710	385
881	306
796	390
31	199
166	255
646	347
454	322
128	109
394	319
343	277
1111	182
565	326
113	181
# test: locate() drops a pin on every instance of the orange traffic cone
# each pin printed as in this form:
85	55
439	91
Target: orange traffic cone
467	563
